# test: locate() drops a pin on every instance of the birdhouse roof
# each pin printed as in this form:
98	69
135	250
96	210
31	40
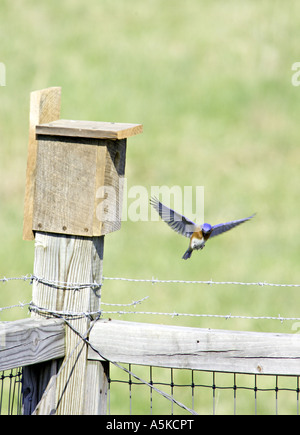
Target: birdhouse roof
89	129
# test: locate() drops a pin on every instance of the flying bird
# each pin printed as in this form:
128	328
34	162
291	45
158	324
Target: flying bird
198	234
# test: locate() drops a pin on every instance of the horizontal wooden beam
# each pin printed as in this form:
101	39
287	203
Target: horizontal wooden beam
29	341
195	348
89	129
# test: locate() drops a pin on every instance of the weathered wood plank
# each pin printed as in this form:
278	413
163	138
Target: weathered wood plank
195	348
65	189
89	129
69	259
96	388
44	107
30	341
79	188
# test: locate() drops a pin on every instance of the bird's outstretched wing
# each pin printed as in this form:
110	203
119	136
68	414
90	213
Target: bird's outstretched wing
176	221
222	228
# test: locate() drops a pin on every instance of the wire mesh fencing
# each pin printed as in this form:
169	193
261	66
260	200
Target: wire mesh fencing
204	392
11	392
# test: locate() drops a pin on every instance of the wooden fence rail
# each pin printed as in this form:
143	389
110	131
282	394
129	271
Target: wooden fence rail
196	348
30	341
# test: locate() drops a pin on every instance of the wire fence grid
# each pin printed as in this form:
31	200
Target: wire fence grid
11	392
204	392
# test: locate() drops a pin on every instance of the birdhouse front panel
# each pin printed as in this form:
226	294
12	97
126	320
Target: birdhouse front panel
78	185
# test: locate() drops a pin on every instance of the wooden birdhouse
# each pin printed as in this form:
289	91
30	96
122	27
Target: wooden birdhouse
76	187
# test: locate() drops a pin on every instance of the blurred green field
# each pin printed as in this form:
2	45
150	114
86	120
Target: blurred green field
211	83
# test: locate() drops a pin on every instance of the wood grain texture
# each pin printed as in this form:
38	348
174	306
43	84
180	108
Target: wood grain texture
79	185
89	129
69	259
195	348
96	388
30	341
65	186
44	107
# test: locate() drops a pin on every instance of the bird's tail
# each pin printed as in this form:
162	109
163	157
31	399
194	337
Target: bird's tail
187	254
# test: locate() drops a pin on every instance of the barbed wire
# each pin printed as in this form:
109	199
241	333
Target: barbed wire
75	314
210	282
19	305
15	278
53	283
68	314
78	286
220	316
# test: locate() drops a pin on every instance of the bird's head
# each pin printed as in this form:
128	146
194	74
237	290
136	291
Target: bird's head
206	229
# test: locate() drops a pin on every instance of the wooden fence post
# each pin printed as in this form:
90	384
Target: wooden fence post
44	107
76	195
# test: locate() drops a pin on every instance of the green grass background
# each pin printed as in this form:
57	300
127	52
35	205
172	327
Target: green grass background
211	83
